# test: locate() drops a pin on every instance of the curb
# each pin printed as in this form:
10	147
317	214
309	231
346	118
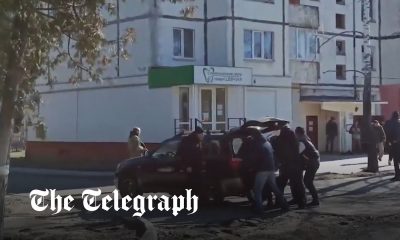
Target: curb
41	171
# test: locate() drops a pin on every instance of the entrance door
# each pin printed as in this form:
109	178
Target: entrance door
213	108
312	129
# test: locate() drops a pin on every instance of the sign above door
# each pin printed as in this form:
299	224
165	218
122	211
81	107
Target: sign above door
161	77
222	75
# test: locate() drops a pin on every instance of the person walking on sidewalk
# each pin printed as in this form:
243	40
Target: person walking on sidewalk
355	132
311	158
389	148
331	131
393	137
380	138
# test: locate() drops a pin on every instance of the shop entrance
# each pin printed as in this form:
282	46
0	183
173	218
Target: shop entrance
213	108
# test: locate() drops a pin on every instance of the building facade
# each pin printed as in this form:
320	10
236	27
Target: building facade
390	31
231	60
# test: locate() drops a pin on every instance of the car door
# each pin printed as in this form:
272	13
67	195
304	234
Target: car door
167	174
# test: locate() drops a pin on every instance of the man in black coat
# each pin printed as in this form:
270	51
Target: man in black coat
190	155
393	138
331	131
291	168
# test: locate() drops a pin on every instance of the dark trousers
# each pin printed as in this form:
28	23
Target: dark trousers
390	152
396	159
295	176
356	145
329	143
309	176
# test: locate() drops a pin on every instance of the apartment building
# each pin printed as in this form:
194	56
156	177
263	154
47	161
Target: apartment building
390	34
232	60
328	63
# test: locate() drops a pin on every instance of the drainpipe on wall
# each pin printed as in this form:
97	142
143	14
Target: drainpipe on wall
205	33
244	101
354	50
194	104
233	33
118	39
153	20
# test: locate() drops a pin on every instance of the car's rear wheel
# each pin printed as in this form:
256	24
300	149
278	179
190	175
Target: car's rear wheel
129	186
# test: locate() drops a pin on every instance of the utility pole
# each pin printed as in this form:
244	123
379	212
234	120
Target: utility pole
367	54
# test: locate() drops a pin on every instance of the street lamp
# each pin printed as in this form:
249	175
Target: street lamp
336	35
361	34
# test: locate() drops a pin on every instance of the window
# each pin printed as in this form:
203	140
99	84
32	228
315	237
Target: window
340	21
371	10
264	1
184	108
341	47
183	42
341	72
304	46
294	2
341	2
258	44
220	108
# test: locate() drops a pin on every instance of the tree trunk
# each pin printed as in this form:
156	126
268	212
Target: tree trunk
367	127
6	116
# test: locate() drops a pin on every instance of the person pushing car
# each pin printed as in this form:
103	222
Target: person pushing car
190	155
261	159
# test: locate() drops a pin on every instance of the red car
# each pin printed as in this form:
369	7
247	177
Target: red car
161	170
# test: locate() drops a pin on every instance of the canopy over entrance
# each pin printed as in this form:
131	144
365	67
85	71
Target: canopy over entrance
349	106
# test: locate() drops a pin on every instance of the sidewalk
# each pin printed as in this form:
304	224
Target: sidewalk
347	164
60	172
330	163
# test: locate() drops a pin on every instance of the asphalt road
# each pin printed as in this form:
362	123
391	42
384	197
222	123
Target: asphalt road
25	180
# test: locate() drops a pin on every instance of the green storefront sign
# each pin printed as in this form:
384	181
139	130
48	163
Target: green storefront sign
162	77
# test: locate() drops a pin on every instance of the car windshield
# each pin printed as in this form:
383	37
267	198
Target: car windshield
167	147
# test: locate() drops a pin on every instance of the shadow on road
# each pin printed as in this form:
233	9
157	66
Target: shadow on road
339	157
207	214
359	186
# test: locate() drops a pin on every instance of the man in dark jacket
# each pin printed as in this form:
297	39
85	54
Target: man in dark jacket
393	138
331	133
262	161
190	155
291	168
311	158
